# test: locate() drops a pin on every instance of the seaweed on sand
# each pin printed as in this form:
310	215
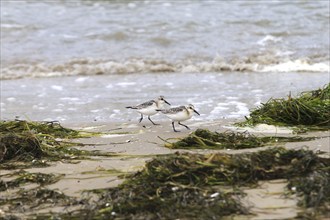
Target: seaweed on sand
196	186
314	191
205	139
52	128
23	177
310	109
152	194
38	198
24	144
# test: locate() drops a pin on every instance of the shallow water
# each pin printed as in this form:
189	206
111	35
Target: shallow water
46	38
103	98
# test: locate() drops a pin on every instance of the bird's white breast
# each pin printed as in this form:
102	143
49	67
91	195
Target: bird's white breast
180	116
150	110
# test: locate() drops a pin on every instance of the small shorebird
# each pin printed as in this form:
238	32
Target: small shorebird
150	108
179	114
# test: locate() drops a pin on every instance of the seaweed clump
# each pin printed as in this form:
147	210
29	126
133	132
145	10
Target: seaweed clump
53	128
205	139
169	187
311	109
24	177
314	191
37	199
32	199
196	186
24	144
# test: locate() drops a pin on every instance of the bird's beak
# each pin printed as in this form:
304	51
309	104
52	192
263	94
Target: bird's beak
196	112
167	102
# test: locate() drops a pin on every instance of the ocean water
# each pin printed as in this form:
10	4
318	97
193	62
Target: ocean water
86	60
103	98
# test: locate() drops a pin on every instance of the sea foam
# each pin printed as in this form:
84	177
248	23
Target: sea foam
84	67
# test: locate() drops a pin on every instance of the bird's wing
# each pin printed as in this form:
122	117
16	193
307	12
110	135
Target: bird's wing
145	104
173	110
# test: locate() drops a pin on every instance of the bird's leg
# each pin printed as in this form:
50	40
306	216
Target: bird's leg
141	118
184	125
152	121
174	127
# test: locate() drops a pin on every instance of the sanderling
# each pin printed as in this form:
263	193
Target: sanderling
150	108
179	114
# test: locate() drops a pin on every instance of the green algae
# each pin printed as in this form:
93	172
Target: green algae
52	128
313	192
205	139
34	144
310	109
197	186
167	183
22	177
37	199
103	171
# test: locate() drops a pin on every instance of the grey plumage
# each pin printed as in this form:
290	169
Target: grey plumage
150	107
181	113
174	110
143	105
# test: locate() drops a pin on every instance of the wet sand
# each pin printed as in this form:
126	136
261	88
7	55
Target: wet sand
134	144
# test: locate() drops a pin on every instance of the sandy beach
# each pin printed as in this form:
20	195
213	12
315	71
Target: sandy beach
80	63
134	144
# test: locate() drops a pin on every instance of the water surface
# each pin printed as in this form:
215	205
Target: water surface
46	38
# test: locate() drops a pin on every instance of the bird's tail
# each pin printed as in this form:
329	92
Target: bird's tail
131	107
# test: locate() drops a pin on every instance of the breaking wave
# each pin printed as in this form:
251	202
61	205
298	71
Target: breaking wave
78	67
